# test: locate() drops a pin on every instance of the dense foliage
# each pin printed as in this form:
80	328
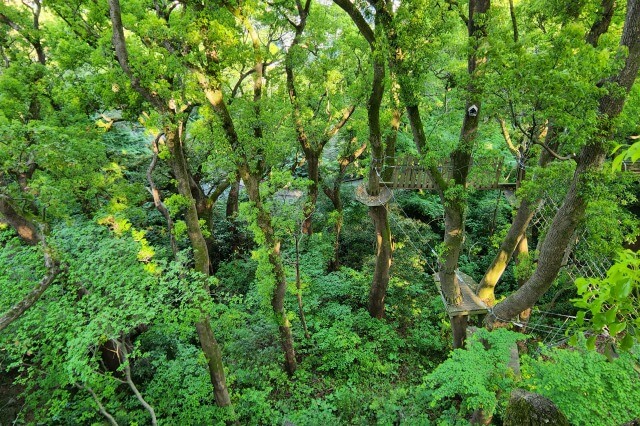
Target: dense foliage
183	238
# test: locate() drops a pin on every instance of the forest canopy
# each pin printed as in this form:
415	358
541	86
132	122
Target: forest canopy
302	212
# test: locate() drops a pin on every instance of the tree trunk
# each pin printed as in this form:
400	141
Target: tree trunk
590	159
522	251
378	214
303	320
252	182
232	199
531	409
384	250
26	229
460	164
312	193
334	195
552	249
208	342
486	288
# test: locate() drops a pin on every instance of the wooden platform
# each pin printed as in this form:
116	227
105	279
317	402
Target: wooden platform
629	166
409	174
471	304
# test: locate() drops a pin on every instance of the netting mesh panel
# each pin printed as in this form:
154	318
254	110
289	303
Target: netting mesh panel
581	258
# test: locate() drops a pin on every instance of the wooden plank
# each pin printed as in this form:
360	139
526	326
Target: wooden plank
409	175
471	304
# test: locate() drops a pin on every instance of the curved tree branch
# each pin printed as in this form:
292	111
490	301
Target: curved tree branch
358	19
552	152
101	408
127	373
53	269
155	193
120	46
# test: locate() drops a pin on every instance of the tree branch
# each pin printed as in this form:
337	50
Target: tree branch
120	46
155	193
358	19
346	114
507	138
101	408
53	269
127	373
552	152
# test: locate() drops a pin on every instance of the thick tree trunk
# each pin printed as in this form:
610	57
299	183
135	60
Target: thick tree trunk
378	214
519	225
552	249
252	182
522	251
486	290
574	205
460	164
233	199
384	250
26	229
208	342
453	245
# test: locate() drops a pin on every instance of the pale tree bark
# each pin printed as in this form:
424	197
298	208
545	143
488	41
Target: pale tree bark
520	223
129	380
590	159
157	200
174	134
112	421
517	230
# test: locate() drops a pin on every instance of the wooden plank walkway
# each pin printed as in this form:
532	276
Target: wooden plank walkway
471	304
409	174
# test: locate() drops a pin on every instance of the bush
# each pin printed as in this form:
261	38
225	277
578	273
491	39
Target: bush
585	386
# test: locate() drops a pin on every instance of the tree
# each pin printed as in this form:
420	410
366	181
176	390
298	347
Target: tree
379	213
173	124
589	161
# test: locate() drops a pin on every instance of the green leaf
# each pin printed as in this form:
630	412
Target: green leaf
591	342
617	327
580	318
610	315
616	164
627	342
623	288
573	340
